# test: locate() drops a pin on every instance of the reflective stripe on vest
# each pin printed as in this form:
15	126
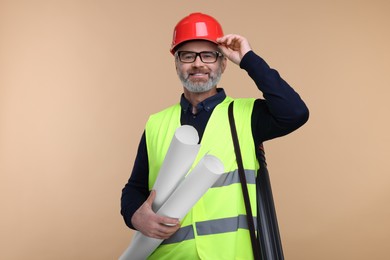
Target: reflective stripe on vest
233	177
216	226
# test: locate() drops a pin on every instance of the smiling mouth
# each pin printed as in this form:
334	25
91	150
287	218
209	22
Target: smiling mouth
198	75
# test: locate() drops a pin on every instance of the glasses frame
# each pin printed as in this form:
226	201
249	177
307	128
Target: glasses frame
217	53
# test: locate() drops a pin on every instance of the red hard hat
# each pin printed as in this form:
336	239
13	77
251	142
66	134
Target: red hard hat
196	26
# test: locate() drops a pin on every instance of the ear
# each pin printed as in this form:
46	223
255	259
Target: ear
223	64
176	65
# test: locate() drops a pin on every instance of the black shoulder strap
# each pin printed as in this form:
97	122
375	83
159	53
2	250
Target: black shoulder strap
251	225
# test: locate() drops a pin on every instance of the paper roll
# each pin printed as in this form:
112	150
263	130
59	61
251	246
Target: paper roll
198	181
141	247
180	156
183	198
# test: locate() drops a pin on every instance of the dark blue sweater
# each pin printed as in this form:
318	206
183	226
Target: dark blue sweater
279	113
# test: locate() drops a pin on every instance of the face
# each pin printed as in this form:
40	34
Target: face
197	76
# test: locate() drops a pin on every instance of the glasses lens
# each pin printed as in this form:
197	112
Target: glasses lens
186	56
208	56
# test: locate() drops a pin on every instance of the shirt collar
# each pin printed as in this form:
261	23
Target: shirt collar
208	104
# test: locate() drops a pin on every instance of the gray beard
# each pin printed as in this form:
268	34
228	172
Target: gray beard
199	87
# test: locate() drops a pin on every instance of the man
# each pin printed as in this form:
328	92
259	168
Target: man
213	229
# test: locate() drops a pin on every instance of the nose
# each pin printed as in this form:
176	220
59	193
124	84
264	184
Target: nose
197	62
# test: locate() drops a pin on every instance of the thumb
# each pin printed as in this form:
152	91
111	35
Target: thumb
151	197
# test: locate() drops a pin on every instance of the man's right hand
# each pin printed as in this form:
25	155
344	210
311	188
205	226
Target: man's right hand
152	225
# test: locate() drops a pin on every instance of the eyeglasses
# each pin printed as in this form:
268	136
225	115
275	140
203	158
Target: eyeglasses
205	56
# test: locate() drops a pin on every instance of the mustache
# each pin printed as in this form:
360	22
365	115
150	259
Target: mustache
194	71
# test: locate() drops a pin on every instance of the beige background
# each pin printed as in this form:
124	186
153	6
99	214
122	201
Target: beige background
78	80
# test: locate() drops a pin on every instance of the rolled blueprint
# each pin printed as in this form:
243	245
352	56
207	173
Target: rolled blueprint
198	181
183	198
180	156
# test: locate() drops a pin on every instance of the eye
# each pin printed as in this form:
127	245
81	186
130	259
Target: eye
208	55
187	55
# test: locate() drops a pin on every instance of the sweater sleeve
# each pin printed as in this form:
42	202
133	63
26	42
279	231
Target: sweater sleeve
136	190
282	110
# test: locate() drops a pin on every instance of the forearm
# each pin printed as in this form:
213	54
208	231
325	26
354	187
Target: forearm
284	104
132	198
136	190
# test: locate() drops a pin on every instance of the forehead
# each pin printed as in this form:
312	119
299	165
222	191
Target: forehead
198	46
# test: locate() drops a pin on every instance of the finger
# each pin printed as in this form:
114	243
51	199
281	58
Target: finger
221	39
231	40
169	221
165	231
162	236
224	39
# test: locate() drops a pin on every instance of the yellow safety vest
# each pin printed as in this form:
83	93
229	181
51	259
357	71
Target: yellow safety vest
216	227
